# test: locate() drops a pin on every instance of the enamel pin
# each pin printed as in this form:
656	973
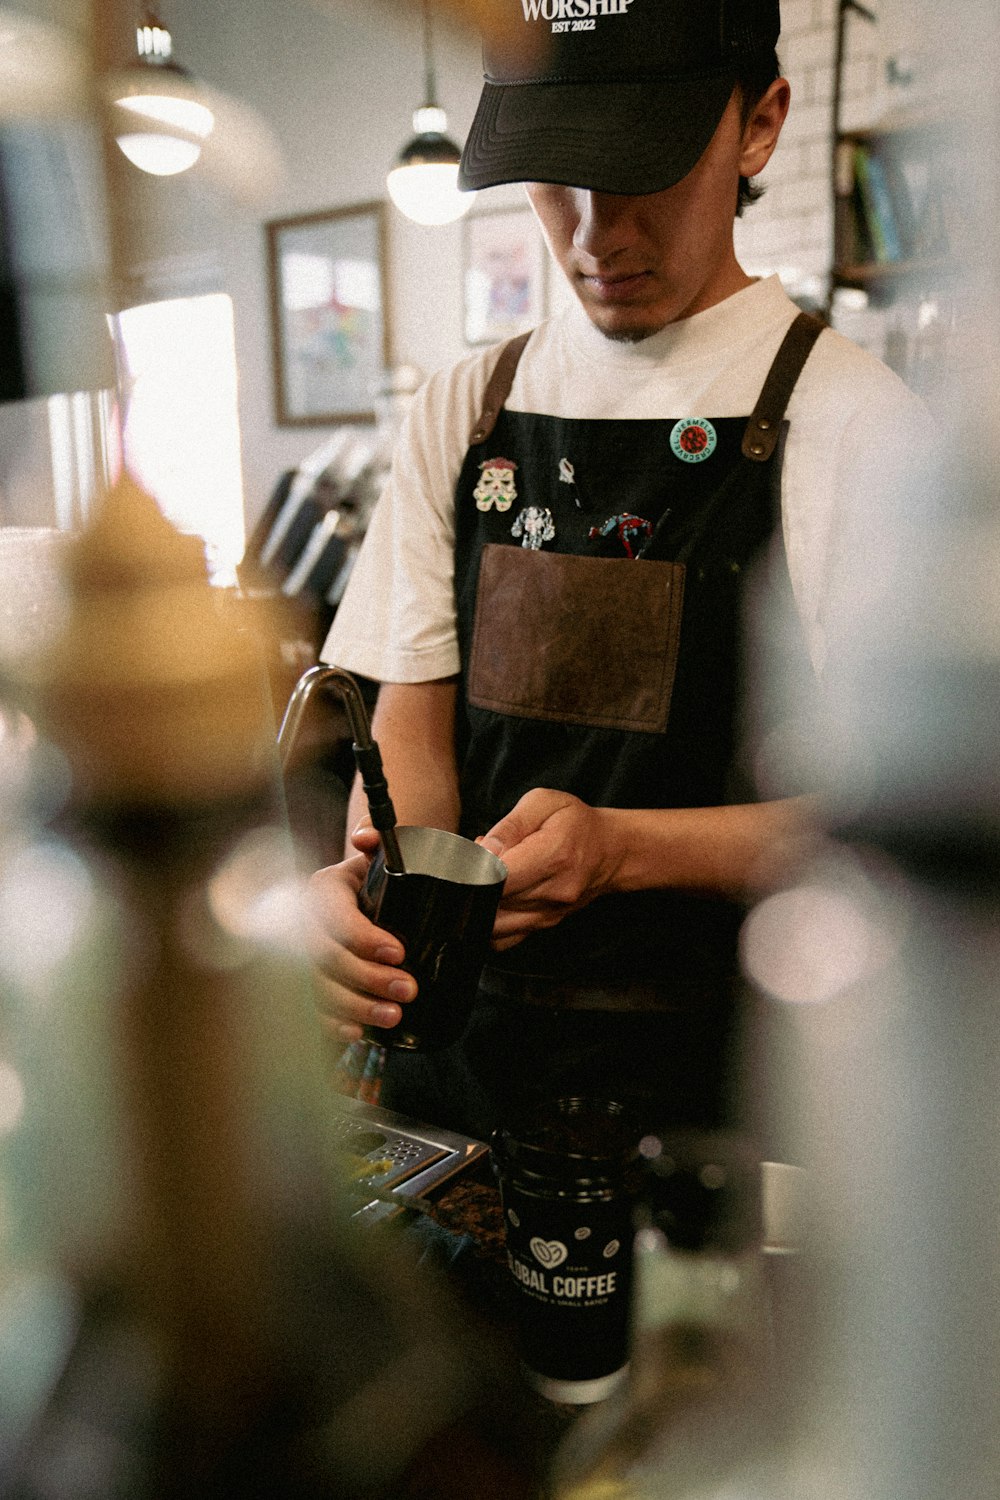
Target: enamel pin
496	484
629	529
567	475
693	439
534	525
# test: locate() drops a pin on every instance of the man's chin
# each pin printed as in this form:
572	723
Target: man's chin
623	325
628	335
622	329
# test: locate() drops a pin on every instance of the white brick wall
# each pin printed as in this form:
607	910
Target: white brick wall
791	229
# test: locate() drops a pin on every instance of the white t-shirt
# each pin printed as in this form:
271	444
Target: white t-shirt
854	427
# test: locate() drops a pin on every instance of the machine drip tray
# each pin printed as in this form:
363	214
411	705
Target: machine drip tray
409	1159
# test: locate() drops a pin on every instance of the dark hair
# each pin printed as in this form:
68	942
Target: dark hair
752	84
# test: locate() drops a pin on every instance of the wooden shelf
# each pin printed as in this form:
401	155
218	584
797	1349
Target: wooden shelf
930	122
891	271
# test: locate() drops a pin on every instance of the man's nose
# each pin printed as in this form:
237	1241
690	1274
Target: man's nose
602	223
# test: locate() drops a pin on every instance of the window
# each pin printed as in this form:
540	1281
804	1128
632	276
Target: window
180	428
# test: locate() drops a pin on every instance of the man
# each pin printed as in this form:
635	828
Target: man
553	588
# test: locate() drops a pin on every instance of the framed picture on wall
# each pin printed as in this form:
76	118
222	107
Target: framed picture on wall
329	332
503	274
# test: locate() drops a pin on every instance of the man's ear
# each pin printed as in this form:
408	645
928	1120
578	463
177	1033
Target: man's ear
761	132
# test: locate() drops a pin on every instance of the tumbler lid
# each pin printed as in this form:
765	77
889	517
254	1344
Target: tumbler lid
571	1142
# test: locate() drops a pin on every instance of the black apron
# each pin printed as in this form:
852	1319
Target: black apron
601	574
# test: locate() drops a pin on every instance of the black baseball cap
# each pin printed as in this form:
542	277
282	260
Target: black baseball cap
619	96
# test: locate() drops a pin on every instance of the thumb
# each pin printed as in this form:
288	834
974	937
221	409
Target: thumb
366	839
510	830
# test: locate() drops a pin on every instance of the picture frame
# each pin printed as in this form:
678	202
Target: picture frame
329	329
504	274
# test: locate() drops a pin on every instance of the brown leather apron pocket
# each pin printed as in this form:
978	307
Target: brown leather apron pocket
578	640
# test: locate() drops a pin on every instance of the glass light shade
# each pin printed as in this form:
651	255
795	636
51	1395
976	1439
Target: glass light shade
424	182
160	155
427	192
167	101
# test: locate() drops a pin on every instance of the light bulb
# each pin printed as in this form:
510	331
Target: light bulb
427	192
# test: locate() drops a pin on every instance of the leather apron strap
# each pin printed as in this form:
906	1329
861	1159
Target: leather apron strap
764	426
498	387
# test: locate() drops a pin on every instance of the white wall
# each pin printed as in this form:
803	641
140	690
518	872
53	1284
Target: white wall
337	80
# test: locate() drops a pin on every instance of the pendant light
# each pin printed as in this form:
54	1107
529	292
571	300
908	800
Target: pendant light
162	122
424	182
166	121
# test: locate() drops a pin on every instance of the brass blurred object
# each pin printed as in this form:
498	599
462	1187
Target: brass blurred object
176	1093
150	689
43	70
497	21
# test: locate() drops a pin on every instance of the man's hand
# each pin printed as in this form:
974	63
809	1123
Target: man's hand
560	854
358	981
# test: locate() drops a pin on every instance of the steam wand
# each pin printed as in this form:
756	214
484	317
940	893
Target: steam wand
366	752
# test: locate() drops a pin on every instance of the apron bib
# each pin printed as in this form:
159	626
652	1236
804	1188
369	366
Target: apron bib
601	573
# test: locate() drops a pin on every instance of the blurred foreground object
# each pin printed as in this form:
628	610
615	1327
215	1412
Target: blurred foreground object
885	959
42	69
184	1309
151	693
53	241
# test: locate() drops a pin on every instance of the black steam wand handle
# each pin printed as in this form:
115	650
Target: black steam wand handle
383	814
367	757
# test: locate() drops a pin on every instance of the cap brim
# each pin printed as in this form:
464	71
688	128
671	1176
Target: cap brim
609	137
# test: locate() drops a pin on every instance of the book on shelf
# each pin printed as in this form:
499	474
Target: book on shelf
896	199
878	205
851	242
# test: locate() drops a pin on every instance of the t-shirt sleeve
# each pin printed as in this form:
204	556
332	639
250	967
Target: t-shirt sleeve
396	621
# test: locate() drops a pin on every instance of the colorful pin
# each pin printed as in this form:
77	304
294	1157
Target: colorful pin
629	529
496	484
693	439
534	525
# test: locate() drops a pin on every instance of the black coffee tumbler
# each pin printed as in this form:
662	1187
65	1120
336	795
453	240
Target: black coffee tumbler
442	907
569	1176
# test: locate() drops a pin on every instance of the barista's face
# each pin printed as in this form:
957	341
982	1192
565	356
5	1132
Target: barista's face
639	263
